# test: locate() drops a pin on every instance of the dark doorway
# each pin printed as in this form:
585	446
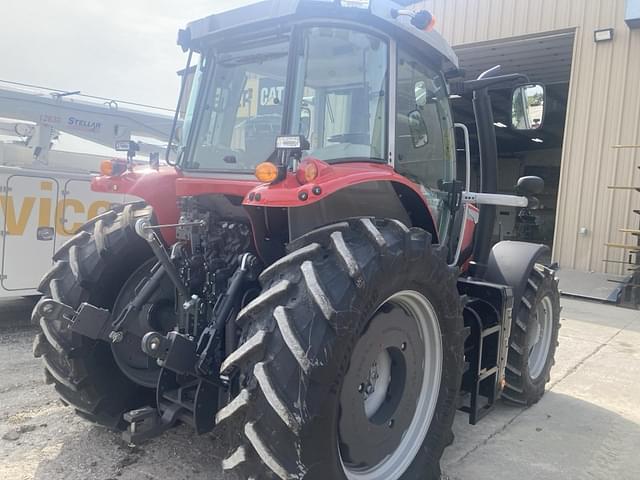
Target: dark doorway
544	59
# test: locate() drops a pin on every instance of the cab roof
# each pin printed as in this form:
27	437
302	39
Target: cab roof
269	14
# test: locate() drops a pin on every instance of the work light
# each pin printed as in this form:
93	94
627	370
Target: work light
355	3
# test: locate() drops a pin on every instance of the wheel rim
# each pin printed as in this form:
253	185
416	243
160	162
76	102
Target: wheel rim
540	337
390	391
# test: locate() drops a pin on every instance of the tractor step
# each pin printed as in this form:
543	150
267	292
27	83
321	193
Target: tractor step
487	314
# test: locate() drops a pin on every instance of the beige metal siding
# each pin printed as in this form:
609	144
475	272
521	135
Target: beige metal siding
603	110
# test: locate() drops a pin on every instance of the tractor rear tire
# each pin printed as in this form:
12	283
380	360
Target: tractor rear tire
533	340
91	267
343	296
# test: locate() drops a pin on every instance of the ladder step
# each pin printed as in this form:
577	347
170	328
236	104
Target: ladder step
484	374
490	331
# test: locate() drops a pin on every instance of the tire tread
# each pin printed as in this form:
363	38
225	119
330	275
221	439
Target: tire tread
301	325
70	361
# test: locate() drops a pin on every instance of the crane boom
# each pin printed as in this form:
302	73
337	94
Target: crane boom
102	123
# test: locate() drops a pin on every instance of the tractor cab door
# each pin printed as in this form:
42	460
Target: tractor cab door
424	135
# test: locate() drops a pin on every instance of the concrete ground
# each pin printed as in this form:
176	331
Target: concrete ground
586	427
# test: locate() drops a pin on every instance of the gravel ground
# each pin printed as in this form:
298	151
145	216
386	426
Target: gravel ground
586	427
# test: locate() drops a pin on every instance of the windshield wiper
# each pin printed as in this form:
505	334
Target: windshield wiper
248	59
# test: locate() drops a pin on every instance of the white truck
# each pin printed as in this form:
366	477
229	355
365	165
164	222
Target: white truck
45	193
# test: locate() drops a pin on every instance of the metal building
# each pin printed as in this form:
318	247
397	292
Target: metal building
587	52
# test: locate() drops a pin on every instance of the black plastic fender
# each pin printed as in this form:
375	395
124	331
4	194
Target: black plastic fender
510	263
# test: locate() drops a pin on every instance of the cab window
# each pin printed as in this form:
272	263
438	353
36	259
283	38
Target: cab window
341	100
242	108
425	151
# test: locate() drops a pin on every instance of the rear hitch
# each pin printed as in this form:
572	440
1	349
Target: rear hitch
190	380
193	403
181	353
147	231
149	285
88	320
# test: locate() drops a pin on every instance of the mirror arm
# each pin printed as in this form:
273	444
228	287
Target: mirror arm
488	150
461	88
495	199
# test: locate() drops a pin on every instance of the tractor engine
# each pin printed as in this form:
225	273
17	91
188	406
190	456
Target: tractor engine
215	276
214	244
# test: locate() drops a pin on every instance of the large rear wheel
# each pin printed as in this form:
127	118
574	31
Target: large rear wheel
92	267
350	360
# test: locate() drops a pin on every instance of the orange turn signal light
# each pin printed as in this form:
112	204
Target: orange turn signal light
106	168
307	172
112	168
266	172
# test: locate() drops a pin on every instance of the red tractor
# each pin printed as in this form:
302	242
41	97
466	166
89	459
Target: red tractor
310	273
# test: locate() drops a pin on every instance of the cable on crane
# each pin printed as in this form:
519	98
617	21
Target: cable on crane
64	93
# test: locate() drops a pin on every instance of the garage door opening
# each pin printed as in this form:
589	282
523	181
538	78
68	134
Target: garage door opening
545	59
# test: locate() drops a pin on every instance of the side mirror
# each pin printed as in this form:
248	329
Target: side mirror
305	122
527	107
418	129
530	185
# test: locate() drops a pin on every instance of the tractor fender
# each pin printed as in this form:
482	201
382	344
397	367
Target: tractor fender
510	263
275	227
346	190
156	187
290	192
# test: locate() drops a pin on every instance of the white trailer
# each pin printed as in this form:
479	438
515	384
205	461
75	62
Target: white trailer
45	194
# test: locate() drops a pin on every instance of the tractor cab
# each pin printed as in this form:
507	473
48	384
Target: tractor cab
357	82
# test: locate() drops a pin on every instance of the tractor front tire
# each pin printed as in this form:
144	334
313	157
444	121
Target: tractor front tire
91	267
350	359
533	340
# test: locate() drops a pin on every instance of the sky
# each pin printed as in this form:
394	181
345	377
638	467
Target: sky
122	49
118	49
